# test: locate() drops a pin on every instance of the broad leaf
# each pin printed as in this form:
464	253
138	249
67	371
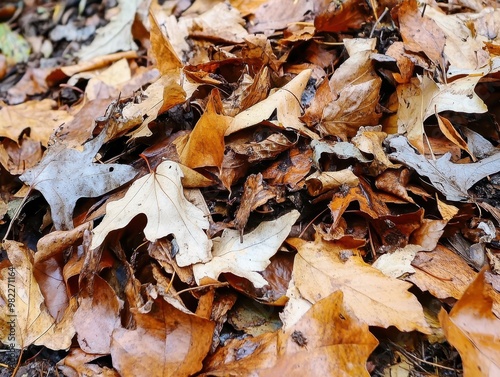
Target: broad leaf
64	175
159	196
453	180
246	258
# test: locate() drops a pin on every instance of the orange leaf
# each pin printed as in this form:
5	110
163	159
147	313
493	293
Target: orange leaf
165	342
474	330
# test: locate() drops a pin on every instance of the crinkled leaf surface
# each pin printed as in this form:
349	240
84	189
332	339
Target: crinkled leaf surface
453	180
29	317
64	175
159	196
246	258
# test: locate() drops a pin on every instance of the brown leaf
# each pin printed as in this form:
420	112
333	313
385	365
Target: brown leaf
255	194
368	201
32	322
277	14
205	146
290	169
17	157
342	16
326	341
166	58
96	317
420	33
165	342
41	117
78	363
323	267
451	133
395	181
473	329
355	87
441	272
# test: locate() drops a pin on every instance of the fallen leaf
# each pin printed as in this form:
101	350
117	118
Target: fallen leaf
159	196
422	97
116	35
205	146
326	341
165	342
441	272
285	101
355	87
41	117
372	297
17	157
319	183
78	363
452	135
342	16
397	263
453	180
163	51
419	32
24	318
246	258
277	14
64	175
96	317
473	329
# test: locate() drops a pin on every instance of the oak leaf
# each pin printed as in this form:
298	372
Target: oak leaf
246	258
474	330
64	175
159	196
372	297
326	341
453	180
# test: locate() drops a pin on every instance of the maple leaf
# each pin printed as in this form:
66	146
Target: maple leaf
64	175
159	196
374	298
453	180
245	258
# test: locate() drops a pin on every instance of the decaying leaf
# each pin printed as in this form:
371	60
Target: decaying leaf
372	297
64	175
473	329
24	313
115	35
326	341
165	342
453	180
159	196
246	258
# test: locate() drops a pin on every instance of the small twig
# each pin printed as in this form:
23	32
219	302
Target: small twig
378	21
201	287
310	222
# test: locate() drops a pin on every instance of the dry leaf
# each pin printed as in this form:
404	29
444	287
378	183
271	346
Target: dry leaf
26	314
165	342
205	146
441	272
326	341
116	35
473	329
41	117
453	180
246	258
64	175
159	196
355	87
397	263
371	296
285	101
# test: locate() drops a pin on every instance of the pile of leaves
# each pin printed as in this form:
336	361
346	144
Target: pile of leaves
250	188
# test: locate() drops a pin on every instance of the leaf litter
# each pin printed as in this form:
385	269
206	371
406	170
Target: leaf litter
314	193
